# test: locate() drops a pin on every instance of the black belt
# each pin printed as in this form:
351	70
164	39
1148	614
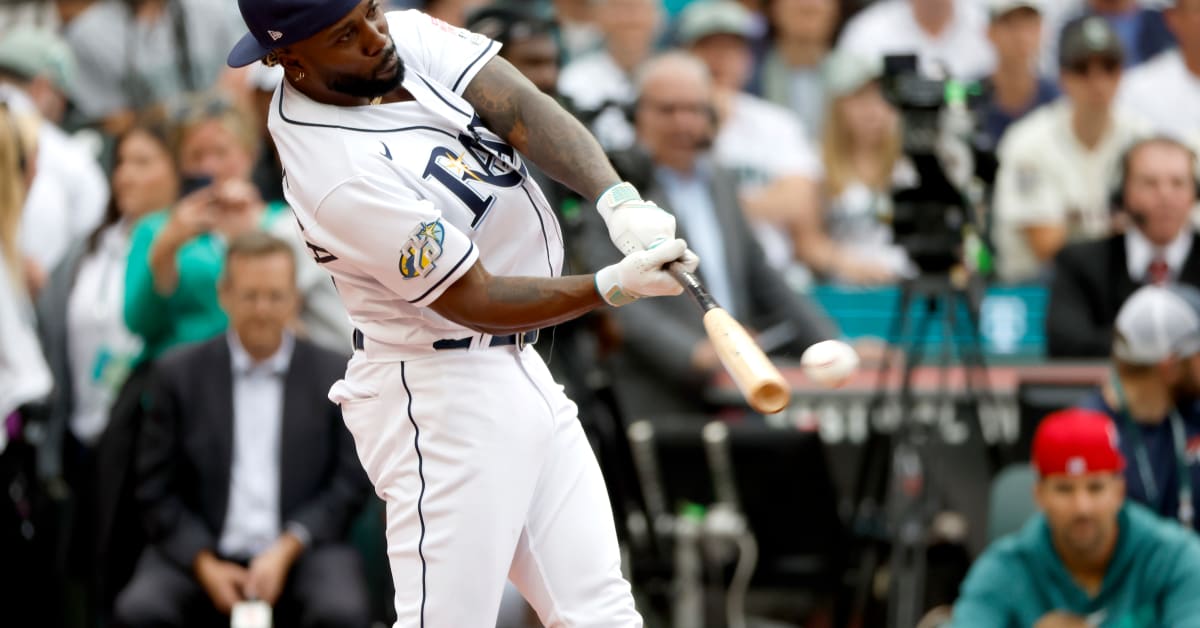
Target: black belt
445	344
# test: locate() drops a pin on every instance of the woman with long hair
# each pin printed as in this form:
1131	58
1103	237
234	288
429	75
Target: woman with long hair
851	242
81	311
24	377
90	350
25	592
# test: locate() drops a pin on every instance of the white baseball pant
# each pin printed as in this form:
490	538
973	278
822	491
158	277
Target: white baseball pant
486	473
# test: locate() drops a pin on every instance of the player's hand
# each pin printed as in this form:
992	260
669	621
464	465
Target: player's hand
642	274
268	571
222	580
633	224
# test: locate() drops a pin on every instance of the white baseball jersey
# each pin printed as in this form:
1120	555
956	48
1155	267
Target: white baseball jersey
398	200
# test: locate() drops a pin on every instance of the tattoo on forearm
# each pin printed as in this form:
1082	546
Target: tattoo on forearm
538	127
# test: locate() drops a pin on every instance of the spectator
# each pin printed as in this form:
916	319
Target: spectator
944	34
138	54
1140	26
69	194
1166	89
774	192
24	381
1092	279
40	14
666	357
1151	398
176	255
579	34
41	64
599	85
801	33
24	377
88	346
852	241
247	477
1015	89
1089	558
528	39
1056	163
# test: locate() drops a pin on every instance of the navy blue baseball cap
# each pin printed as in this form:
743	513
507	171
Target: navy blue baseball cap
278	23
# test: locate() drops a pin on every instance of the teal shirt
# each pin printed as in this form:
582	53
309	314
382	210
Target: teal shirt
1153	579
192	312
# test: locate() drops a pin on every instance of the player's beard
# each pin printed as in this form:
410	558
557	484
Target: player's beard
380	82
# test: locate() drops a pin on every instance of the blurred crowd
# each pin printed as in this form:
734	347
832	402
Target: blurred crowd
152	279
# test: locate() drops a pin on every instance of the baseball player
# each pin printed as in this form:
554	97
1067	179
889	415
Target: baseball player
398	136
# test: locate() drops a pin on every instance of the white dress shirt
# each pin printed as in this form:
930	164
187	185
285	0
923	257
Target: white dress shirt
252	519
1139	252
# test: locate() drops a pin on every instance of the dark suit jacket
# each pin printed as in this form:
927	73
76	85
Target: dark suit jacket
653	374
1090	282
185	452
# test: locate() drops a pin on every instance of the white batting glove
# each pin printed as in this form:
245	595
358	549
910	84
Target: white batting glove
633	224
642	274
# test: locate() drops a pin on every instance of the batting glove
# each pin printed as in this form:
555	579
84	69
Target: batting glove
642	274
633	224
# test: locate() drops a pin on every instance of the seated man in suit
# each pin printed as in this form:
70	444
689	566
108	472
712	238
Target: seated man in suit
666	357
246	475
1092	279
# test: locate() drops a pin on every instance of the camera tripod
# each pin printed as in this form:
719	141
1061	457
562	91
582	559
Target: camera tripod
896	497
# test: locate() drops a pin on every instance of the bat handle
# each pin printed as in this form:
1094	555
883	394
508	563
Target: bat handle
692	285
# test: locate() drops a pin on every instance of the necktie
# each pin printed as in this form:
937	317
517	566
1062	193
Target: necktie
1158	272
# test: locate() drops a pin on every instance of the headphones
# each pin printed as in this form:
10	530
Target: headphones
1117	193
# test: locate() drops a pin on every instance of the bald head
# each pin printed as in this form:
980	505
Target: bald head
674	117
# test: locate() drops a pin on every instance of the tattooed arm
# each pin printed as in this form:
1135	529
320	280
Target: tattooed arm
538	127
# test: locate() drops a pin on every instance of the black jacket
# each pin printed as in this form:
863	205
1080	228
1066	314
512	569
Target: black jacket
1091	280
185	451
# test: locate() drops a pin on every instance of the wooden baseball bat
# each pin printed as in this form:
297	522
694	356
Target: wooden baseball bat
763	387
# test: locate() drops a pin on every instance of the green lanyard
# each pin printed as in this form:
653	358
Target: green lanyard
1186	513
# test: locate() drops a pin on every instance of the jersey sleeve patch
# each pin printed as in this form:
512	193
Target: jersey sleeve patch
421	251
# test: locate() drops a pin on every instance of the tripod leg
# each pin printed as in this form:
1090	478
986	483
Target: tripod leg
873	470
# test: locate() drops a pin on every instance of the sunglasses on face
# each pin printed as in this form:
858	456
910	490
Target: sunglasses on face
1105	66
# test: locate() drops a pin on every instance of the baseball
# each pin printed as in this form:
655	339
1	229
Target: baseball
829	363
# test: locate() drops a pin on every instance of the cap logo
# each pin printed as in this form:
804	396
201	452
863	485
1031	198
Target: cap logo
275	35
1076	465
1095	33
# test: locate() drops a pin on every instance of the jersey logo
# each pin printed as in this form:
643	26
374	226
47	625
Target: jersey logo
419	255
387	152
468	183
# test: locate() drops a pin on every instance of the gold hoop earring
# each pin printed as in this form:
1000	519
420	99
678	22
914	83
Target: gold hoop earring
300	75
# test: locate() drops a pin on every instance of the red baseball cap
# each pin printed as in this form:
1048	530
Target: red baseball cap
1076	441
